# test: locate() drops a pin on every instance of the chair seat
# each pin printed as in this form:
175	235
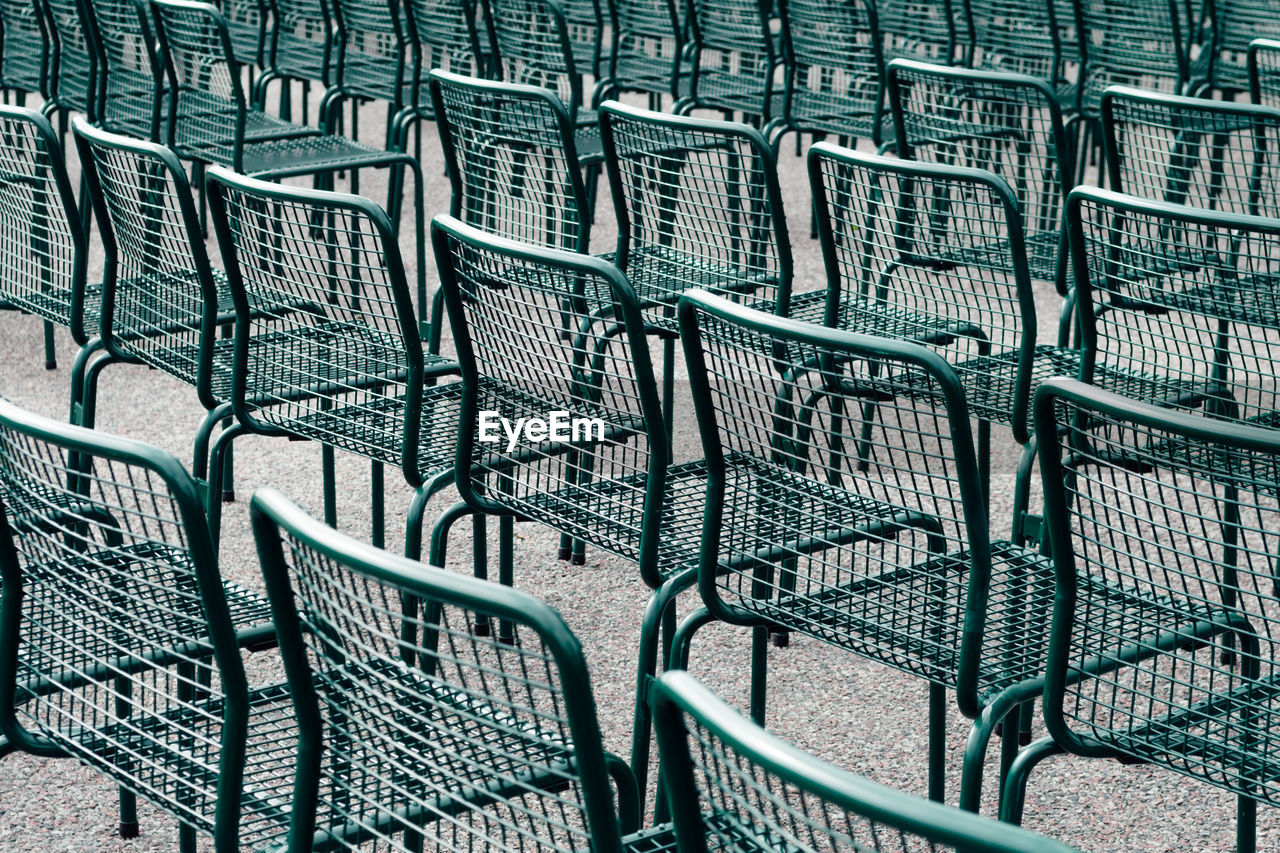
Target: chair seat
839	115
307	154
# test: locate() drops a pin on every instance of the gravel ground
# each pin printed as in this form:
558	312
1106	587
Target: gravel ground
857	714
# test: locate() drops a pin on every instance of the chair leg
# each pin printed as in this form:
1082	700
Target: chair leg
79	371
975	750
217	465
186	838
377	506
329	485
937	742
417	509
50	348
1246	824
1014	794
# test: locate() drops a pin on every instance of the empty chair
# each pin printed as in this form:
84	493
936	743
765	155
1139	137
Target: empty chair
43	254
601	473
645	47
418	731
117	624
1007	123
729	779
1235	24
1180	511
844	502
24	48
1205	153
327	347
734	58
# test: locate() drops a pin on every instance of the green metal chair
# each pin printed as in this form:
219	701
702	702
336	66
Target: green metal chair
645	49
1006	123
326	347
1235	24
1205	153
1179	511
729	780
121	644
734	57
1264	71
869	535
43	254
606	476
416	731
24	47
513	162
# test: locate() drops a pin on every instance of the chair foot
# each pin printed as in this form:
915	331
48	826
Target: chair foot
482	628
579	559
781	638
51	365
565	552
129	829
228	496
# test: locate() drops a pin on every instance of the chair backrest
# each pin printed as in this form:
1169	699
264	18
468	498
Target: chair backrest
115	619
301	40
646	43
512	161
835	81
1264	71
247	25
1236	23
207	105
1009	124
1130	42
160	302
584	20
531	46
920	29
604	448
932	253
842	477
43	253
73	67
24	49
446	36
1205	153
1181	296
734	56
327	343
131	87
698	205
1164	528
411	722
1017	37
728	778
373	52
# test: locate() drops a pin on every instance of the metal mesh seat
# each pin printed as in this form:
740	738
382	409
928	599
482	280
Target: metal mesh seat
1195	151
1236	23
326	345
1005	123
420	732
646	42
72	66
729	780
42	247
1181	294
698	205
1264	71
24	53
512	161
734	59
1140	498
879	541
116	619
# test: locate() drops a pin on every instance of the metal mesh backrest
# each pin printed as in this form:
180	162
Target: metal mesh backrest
72	68
1181	294
327	345
1165	533
1006	124
508	306
207	103
1018	37
584	20
1238	22
132	76
1193	151
445	33
160	301
372	55
698	205
512	161
731	780
647	40
118	615
844	498
531	38
245	24
735	57
42	251
300	39
1264	72
918	29
23	51
433	735
836	73
929	253
1130	42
